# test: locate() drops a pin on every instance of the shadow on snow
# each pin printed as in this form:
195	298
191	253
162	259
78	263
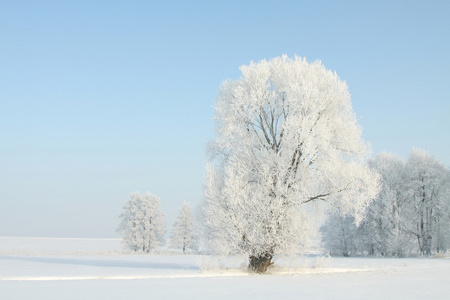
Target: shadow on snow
104	263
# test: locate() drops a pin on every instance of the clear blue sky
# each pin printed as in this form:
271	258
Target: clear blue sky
99	99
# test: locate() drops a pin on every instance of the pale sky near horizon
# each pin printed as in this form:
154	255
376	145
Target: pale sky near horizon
99	99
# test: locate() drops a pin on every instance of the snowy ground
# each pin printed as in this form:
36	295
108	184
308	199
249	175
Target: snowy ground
96	269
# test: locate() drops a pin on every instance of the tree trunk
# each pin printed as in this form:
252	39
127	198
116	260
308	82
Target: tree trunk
427	245
259	264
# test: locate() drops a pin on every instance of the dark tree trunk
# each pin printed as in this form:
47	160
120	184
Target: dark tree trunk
259	264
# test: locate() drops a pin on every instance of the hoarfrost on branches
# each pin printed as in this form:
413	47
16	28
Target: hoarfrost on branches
287	139
142	223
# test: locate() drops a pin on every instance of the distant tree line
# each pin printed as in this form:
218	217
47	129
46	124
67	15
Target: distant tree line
410	215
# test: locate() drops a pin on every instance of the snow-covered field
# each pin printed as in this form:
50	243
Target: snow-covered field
34	268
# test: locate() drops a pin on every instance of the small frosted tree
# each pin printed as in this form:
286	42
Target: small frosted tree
339	234
183	230
142	223
287	140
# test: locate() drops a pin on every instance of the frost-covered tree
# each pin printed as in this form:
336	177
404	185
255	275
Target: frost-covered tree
287	140
339	234
142	223
383	230
183	230
429	202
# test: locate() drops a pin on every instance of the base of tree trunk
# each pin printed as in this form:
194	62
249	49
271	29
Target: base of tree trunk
259	264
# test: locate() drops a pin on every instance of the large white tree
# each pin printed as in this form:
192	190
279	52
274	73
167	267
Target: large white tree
287	139
183	231
142	223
